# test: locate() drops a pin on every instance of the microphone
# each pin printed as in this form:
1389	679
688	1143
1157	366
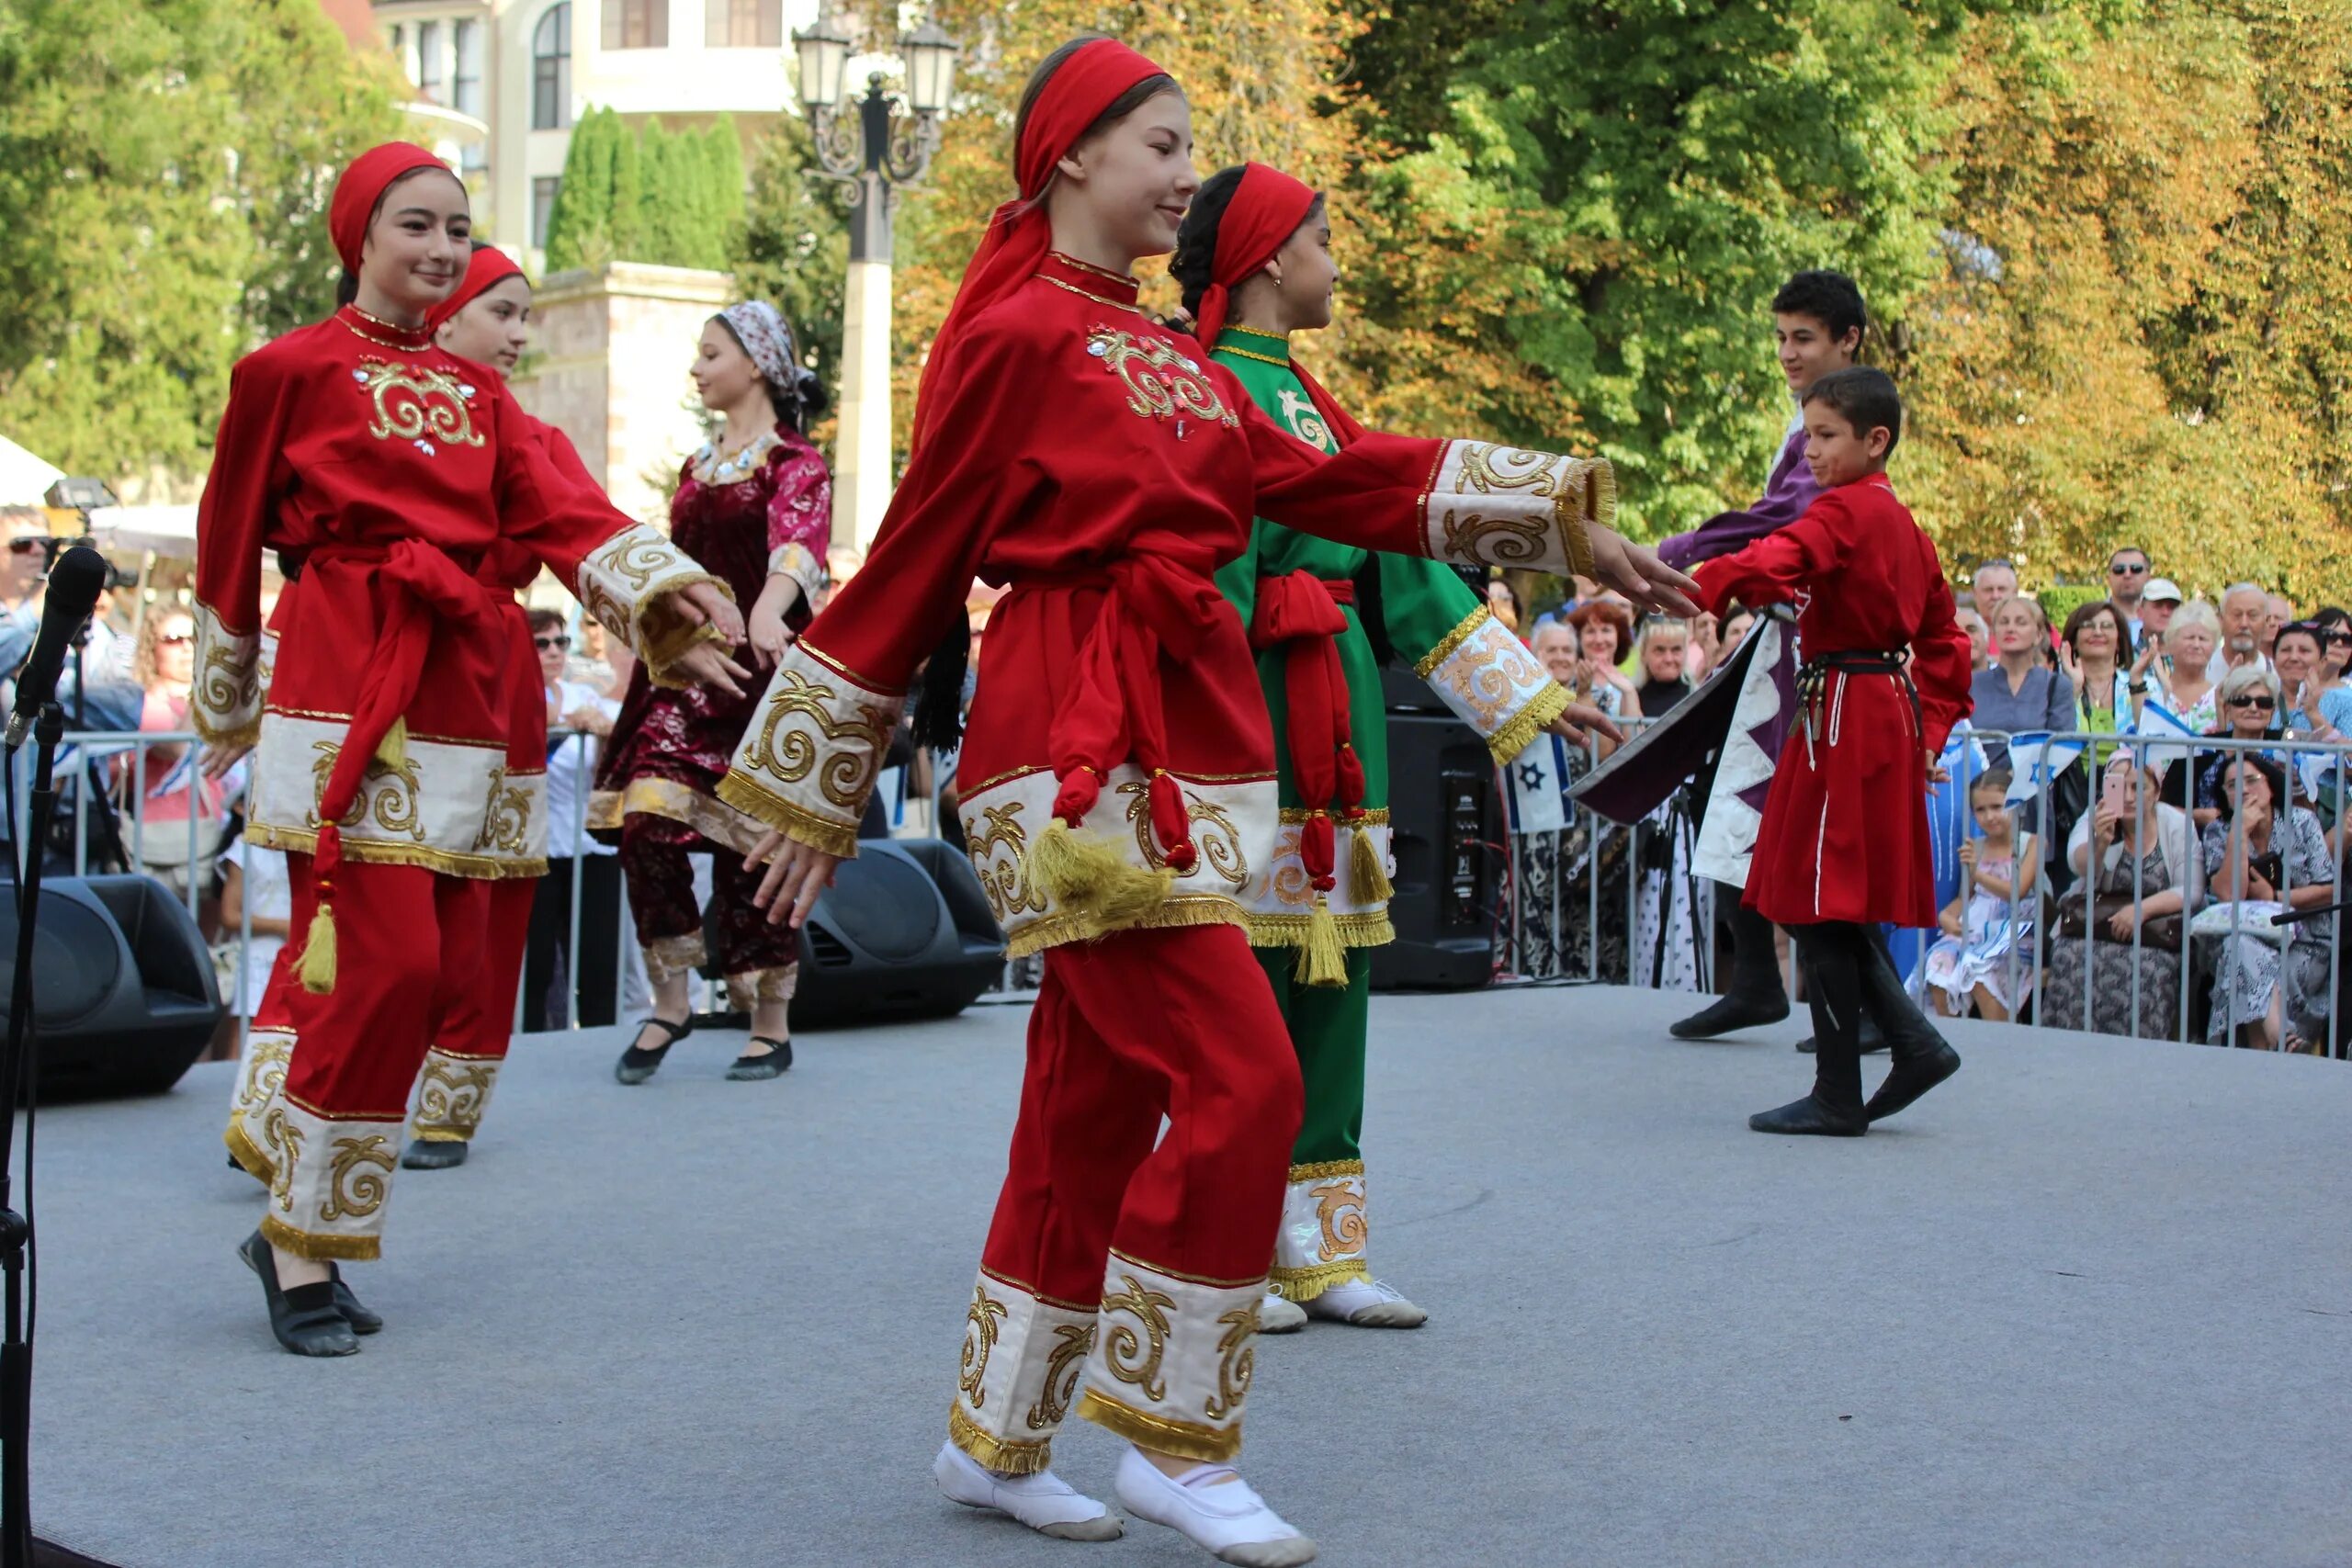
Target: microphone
73	586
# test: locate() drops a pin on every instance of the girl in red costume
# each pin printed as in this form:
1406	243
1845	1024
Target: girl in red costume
754	507
383	470
1121	800
1844	841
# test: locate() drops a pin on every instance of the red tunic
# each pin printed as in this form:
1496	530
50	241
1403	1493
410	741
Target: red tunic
383	470
739	521
1105	468
1845	830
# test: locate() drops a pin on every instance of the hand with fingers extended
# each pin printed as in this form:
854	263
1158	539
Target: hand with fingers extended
703	604
1635	571
797	873
218	759
706	664
1580	722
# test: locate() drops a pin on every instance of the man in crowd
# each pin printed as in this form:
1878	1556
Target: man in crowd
2277	611
2157	602
2127	579
2245	608
1995	581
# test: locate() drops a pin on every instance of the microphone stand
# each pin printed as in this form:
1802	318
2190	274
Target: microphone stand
15	1230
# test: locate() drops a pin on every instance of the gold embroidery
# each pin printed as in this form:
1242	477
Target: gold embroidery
413	402
1073	1342
1085	294
366	1190
395	806
636	556
451	1096
1261	358
228	685
1104	273
1219	844
266	1056
984	1315
1003	880
1135	1358
1339	1205
1306	422
1238	1363
505	816
1161	382
1487	674
283	1140
848	770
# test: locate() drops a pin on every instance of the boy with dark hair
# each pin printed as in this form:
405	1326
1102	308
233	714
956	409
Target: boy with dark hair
1844	841
1819	322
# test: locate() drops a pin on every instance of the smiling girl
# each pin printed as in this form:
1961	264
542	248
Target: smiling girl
1122	806
383	470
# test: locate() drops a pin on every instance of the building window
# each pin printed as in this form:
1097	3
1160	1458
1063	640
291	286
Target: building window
467	82
428	60
542	208
637	24
743	24
551	70
400	41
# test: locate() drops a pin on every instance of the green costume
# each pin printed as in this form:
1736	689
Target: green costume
1315	930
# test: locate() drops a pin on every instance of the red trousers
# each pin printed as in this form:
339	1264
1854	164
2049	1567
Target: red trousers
1134	1256
463	1067
325	1087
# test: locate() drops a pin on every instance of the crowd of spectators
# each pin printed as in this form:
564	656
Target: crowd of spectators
2143	905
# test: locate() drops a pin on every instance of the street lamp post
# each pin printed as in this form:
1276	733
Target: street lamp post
871	146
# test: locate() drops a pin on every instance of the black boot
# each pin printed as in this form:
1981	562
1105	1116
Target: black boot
1874	1042
1923	1059
1756	995
305	1318
1833	985
433	1154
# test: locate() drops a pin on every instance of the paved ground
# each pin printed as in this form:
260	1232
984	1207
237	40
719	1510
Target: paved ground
2089	1303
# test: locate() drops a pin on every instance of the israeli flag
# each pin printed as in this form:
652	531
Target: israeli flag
1538	777
2038	759
2160	722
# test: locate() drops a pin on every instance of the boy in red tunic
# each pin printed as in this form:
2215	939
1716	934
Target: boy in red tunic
1844	841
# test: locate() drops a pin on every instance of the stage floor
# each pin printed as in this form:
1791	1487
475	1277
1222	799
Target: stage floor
2090	1303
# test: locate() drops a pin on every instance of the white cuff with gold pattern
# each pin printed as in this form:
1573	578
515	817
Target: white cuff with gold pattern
224	702
1493	683
809	758
626	582
1493	505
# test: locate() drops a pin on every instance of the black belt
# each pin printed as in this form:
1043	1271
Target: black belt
1812	681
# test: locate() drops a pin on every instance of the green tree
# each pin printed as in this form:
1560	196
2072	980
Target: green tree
580	228
790	247
722	156
630	222
162	210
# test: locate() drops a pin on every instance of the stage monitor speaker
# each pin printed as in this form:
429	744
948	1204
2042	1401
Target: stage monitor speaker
1446	831
126	999
904	931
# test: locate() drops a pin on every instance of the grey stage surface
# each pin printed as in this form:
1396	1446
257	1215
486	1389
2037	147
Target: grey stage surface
2091	1302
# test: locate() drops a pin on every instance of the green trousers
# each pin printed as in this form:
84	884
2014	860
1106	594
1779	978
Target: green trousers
1324	1229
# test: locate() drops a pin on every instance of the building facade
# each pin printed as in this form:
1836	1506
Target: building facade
500	82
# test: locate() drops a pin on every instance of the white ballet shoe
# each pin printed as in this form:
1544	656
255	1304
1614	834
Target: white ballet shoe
1214	1507
1279	1314
1367	1304
1044	1502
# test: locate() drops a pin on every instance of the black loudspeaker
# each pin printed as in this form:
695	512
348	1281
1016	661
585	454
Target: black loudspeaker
1447	828
904	931
126	998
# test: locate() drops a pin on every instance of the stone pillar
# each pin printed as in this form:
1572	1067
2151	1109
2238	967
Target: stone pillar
609	369
862	449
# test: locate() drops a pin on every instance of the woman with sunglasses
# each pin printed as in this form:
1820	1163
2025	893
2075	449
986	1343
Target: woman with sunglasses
2249	710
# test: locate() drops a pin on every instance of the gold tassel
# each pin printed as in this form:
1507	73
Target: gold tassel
316	970
1371	882
392	749
1322	960
1088	874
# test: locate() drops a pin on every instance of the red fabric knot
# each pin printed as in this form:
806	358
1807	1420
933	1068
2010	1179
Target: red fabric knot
1318	851
1300	614
1172	822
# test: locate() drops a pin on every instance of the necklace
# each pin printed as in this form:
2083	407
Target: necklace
712	468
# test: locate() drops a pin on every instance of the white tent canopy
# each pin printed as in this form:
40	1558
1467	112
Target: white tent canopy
166	530
24	479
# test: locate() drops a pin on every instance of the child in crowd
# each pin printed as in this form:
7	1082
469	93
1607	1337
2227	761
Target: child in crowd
1844	841
1982	925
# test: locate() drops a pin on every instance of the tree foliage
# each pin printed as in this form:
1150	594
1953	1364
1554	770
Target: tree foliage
647	193
792	248
162	204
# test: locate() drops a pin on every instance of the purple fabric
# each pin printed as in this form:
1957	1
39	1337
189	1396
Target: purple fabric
1786	495
1773	733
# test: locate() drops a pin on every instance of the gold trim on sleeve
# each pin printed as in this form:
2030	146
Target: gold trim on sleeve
1187	1440
1529	722
1463	632
753	799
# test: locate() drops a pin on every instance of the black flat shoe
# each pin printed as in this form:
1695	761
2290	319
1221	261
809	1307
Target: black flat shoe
433	1153
305	1319
1872	1041
362	1321
1730	1012
1811	1116
1911	1076
635	1065
749	1068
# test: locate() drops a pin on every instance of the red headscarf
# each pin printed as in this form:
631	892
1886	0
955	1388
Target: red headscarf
489	268
1073	98
1268	206
362	186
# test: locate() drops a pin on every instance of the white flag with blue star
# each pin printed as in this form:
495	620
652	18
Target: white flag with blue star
1537	776
2036	760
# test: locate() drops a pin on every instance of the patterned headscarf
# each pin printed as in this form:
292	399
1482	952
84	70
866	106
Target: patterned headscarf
760	328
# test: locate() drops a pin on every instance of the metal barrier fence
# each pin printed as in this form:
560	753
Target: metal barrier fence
1598	901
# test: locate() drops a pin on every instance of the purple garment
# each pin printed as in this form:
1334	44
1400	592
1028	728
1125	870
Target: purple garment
1786	495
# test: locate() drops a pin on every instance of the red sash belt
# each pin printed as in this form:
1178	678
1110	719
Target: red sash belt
1300	614
1151	609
